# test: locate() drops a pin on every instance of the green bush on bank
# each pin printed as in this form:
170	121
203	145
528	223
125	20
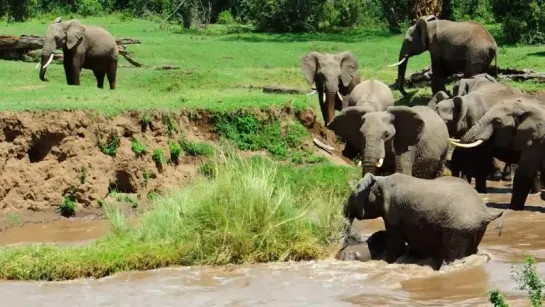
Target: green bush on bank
248	211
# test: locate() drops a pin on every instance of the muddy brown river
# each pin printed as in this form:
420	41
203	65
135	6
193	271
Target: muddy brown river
316	283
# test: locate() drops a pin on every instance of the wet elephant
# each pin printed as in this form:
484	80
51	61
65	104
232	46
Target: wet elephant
371	249
443	219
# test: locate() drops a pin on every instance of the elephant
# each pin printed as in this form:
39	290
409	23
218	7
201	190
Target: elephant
371	95
443	218
84	46
335	76
460	113
455	47
516	126
466	85
409	140
372	249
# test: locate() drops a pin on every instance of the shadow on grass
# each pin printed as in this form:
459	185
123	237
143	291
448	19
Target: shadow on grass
539	53
345	36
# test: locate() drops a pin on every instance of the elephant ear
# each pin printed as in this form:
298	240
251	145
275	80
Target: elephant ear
348	124
460	110
422	26
529	128
409	126
349	66
74	34
437	98
309	65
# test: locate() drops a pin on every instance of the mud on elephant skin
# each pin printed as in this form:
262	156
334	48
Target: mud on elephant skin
84	46
517	125
412	141
372	248
451	49
335	76
443	219
370	95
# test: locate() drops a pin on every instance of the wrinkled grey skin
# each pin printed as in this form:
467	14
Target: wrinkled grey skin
332	74
461	112
83	46
371	95
372	249
443	219
451	49
412	141
517	124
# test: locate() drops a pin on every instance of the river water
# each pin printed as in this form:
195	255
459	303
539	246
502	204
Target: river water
321	283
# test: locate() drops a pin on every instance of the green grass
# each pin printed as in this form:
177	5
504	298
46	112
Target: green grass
215	67
249	211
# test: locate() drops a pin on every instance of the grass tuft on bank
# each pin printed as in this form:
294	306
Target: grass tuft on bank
246	211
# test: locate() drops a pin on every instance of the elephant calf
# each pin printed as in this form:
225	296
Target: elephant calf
443	219
372	249
369	95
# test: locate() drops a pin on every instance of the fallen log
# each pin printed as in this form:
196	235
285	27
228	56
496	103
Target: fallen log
28	48
422	78
323	146
280	89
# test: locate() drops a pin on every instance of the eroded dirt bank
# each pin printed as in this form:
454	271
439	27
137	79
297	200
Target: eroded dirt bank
45	156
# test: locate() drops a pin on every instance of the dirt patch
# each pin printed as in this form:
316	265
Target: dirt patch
44	155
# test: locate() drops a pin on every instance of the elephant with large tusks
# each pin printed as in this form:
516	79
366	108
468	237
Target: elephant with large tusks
83	46
335	76
455	47
516	126
412	141
369	95
460	113
443	219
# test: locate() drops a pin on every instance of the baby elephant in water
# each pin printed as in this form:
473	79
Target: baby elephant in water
443	219
372	249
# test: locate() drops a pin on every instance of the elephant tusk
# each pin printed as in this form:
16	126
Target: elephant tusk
400	62
49	61
359	163
323	98
471	145
340	96
37	65
454	140
379	163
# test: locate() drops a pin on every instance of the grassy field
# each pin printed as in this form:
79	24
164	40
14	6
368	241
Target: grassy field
246	211
215	67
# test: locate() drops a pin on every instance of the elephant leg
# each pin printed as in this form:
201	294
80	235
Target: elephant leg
67	64
112	74
394	239
536	185
506	174
99	75
528	165
438	77
496	174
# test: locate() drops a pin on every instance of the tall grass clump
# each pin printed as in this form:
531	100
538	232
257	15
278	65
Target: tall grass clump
245	211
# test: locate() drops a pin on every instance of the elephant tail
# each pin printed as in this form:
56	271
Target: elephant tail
493	216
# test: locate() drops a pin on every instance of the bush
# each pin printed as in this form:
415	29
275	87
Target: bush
20	10
89	8
225	18
522	21
478	10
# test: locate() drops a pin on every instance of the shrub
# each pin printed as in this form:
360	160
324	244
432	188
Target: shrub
158	157
20	10
138	148
175	151
225	18
68	207
522	21
110	148
89	8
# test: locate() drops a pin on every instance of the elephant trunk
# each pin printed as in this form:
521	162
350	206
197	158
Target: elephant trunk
480	132
401	68
48	52
329	107
373	156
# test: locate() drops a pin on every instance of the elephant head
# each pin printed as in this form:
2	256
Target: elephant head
380	133
328	71
361	203
66	35
454	112
466	85
516	124
416	41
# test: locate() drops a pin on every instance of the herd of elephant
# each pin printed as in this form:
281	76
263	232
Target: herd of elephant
404	149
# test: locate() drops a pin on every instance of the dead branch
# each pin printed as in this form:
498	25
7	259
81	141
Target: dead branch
323	146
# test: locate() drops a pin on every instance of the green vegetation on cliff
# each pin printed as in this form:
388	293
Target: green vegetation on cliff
246	210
